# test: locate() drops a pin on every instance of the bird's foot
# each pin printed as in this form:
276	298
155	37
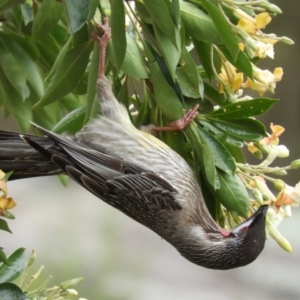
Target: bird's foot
181	123
103	41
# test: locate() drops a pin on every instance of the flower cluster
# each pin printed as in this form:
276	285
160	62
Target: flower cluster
256	179
6	202
254	43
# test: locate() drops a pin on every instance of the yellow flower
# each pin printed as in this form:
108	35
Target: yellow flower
264	80
6	203
230	77
251	25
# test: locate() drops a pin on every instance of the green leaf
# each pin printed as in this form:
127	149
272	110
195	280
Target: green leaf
4	226
13	73
242	63
13	102
224	27
117	24
223	159
10	291
187	76
162	18
245	129
214	94
7	4
24	61
170	53
198	24
175	12
78	12
3	258
233	194
92	99
165	97
68	74
243	109
46	18
72	122
205	156
134	64
27	13
17	264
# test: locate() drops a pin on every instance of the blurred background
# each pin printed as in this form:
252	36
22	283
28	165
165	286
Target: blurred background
76	234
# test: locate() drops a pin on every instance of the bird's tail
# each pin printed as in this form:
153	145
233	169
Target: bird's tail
18	156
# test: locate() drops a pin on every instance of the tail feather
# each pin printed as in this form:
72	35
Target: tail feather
18	155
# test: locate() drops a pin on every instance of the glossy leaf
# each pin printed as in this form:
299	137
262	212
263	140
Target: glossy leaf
187	76
224	27
162	18
175	12
170	52
91	98
78	12
243	109
17	264
205	156
46	18
214	94
223	159
198	24
117	24
27	13
20	109
10	291
134	64
4	226
3	258
245	129
164	95
72	122
13	73
68	74
233	194
24	61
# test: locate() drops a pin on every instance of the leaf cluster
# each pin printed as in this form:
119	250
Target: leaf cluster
48	72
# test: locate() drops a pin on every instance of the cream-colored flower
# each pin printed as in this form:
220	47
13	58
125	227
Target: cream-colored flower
264	80
289	196
275	151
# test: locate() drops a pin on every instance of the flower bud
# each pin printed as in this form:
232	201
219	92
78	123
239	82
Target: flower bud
279	238
287	40
32	258
71	283
68	294
258	196
280	172
279	184
270	7
258	154
295	164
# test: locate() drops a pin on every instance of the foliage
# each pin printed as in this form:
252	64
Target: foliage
179	53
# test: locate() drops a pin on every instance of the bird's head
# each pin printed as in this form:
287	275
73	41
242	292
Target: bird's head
227	250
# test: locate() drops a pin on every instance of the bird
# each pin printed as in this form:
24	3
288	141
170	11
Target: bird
139	175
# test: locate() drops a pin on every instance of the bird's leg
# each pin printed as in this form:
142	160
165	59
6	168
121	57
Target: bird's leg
103	42
181	123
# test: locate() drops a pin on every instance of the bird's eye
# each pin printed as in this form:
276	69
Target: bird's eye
245	229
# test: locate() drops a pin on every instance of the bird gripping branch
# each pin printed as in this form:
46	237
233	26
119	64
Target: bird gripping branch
139	175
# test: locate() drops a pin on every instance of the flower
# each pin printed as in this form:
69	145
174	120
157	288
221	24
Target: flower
5	202
276	151
273	219
229	77
264	80
252	25
289	196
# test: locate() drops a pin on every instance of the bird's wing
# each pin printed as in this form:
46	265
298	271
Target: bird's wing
109	177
